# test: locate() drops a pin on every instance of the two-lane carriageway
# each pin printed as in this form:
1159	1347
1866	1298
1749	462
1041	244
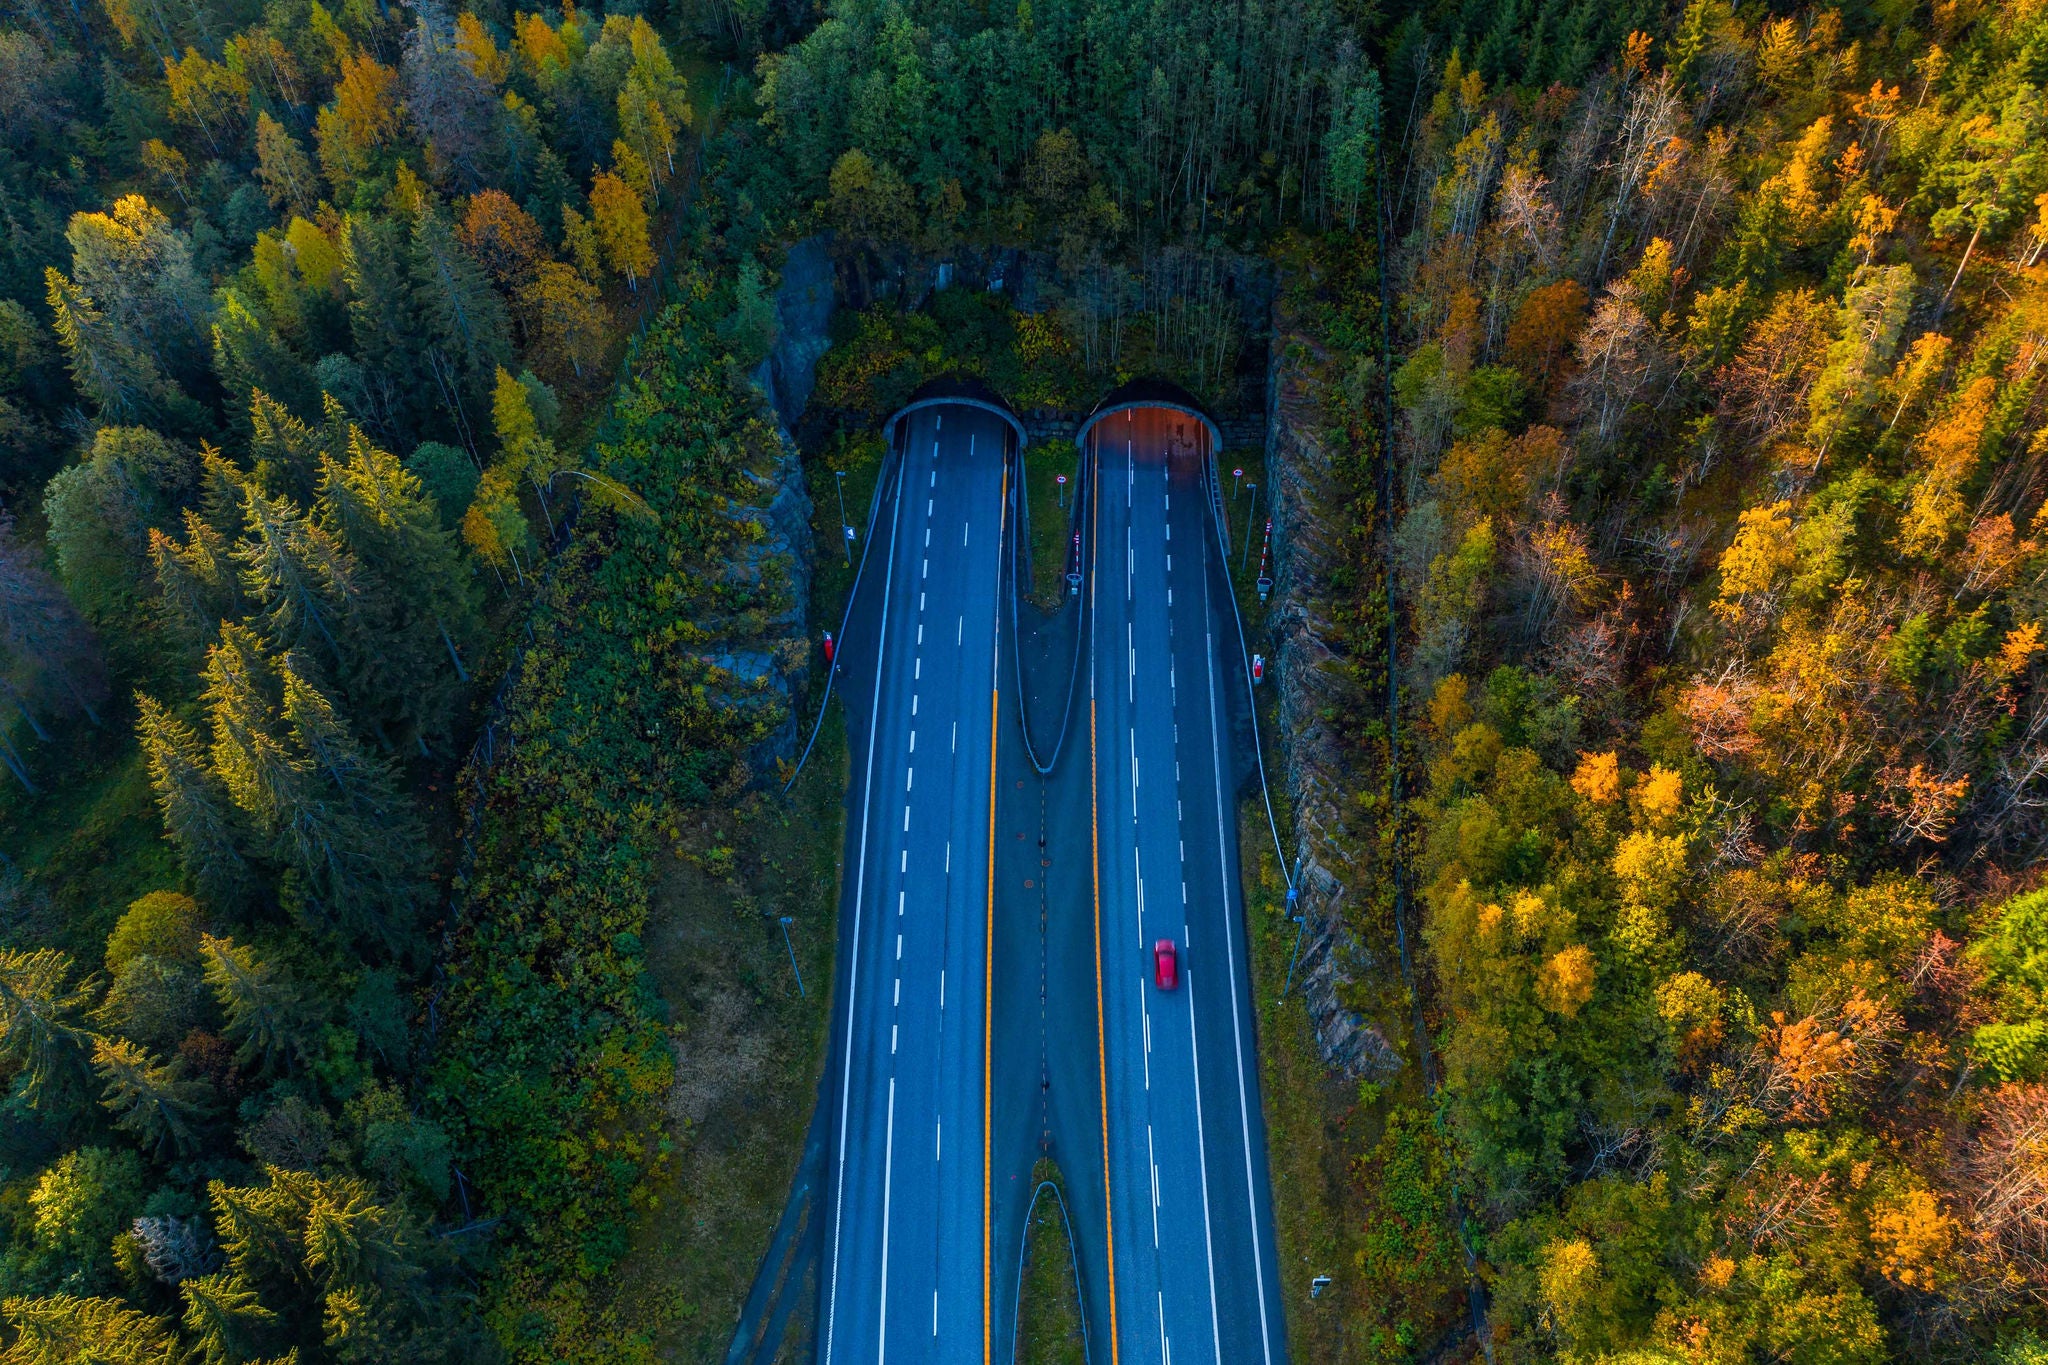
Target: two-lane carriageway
1189	1215
907	1238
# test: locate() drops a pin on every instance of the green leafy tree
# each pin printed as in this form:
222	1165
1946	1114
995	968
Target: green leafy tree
80	1204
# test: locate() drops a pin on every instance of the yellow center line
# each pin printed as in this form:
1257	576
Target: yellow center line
1095	863
988	940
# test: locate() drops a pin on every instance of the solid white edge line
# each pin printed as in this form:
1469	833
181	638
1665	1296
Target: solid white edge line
859	888
888	1173
1251	1188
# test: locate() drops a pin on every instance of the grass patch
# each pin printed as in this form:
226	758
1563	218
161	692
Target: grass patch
1051	522
748	1046
1049	1329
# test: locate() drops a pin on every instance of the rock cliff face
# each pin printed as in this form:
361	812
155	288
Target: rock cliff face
767	654
1333	839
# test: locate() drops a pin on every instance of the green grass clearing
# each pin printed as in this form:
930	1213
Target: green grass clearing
1049	1328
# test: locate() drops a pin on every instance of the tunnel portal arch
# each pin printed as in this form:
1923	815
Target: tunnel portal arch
938	393
1151	393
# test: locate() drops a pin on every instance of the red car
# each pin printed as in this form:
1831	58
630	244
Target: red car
1165	964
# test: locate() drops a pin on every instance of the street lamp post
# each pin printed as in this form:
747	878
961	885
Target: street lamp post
845	526
785	921
1250	518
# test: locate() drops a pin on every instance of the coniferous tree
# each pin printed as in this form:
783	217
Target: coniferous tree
284	451
149	1099
226	1320
379	510
462	316
198	578
199	812
249	356
305	581
63	1329
347	828
123	382
38	1040
262	1005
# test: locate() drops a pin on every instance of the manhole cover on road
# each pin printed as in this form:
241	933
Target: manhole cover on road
1027	883
1045	862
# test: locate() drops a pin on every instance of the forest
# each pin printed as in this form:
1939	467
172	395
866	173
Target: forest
1717	423
379	455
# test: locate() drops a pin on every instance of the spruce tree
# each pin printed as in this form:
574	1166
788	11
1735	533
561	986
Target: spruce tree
225	1319
348	830
198	579
199	815
249	356
284	451
122	381
241	702
304	579
262	1005
38	1040
379	510
63	1329
149	1099
259	1226
463	318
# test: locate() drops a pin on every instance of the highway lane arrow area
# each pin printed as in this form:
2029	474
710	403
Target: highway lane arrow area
995	999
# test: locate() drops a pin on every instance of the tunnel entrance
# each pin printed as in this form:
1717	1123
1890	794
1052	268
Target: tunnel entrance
1155	393
954	391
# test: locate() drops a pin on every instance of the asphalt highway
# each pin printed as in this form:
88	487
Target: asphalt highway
1193	1271
907	1239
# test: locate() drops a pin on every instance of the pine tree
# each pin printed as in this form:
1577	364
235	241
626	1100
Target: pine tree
123	382
249	357
284	450
261	1003
63	1329
305	580
150	1099
380	512
199	815
225	1319
38	1039
198	579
